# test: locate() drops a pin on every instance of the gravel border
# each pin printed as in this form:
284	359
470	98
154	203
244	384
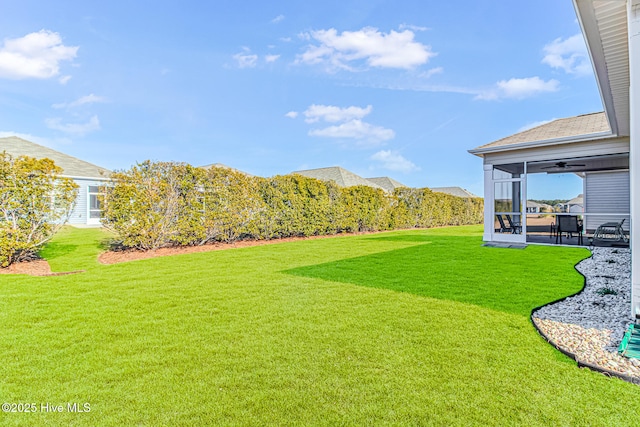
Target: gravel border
589	326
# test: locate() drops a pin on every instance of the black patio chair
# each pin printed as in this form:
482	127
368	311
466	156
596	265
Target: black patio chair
516	227
569	224
503	228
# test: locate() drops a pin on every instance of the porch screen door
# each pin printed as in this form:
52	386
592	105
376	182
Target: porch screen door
508	182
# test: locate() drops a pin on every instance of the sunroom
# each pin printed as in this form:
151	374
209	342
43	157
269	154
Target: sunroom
581	148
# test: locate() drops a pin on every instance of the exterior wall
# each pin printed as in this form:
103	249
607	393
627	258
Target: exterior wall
633	15
488	203
80	214
607	192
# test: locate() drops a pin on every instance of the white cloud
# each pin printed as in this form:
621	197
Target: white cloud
350	124
519	88
413	27
431	72
246	59
364	133
64	80
36	55
89	99
569	55
277	19
78	129
376	49
333	114
393	161
271	58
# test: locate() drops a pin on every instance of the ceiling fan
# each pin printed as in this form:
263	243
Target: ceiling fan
563	165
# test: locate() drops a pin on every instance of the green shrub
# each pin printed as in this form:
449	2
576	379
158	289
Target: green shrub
163	204
152	205
231	204
34	203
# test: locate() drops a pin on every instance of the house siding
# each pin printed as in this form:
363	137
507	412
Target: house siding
80	213
607	192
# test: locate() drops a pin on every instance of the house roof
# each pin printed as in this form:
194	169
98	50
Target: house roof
340	176
454	191
534	204
568	129
578	200
220	165
70	165
389	184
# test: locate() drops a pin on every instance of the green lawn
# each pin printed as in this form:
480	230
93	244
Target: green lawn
419	327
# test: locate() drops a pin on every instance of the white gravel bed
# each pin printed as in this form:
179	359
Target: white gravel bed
592	323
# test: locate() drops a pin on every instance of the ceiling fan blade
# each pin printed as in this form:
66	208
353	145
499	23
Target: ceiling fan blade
563	165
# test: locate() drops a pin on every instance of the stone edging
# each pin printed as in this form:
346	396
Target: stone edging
581	364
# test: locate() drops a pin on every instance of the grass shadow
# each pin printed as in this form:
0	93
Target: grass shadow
460	269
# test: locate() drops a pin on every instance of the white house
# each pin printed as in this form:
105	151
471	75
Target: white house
88	176
603	147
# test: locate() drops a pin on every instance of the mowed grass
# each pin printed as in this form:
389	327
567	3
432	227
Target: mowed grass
422	327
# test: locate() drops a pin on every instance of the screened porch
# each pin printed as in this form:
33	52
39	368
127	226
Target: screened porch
598	216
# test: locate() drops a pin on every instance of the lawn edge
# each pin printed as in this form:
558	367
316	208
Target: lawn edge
580	363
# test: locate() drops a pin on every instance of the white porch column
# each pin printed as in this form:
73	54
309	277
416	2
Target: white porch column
488	203
633	14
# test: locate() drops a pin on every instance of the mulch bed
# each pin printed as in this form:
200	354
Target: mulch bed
40	267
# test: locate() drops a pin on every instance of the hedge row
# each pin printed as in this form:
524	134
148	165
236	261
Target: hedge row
158	204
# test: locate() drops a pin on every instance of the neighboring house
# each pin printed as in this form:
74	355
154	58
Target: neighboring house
340	176
389	184
603	147
88	176
576	205
454	191
534	207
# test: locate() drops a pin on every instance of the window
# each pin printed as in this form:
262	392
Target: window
94	202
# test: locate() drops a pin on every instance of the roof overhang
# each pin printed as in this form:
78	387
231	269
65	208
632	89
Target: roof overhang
605	29
538	144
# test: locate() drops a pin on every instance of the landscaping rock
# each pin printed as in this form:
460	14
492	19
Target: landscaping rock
591	324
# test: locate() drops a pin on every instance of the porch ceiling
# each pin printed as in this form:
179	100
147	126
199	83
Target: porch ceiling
580	164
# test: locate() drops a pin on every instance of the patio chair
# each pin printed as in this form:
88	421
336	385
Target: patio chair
503	228
569	224
516	227
610	232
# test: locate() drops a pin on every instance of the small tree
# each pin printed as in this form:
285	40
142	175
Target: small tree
34	203
149	206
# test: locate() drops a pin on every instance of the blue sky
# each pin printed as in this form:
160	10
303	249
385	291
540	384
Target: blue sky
382	88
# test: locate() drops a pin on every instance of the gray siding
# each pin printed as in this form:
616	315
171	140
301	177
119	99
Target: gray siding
607	192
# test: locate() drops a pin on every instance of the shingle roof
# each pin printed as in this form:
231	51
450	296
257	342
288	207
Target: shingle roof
571	127
340	176
389	184
578	200
70	165
454	191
